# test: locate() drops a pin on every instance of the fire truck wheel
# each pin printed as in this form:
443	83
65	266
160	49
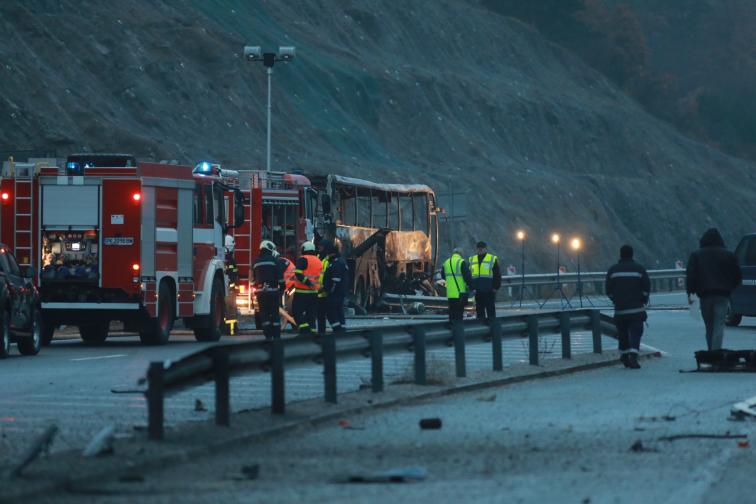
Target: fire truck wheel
213	331
4	337
158	330
94	333
32	345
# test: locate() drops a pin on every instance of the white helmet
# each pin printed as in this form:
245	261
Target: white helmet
308	246
230	242
267	245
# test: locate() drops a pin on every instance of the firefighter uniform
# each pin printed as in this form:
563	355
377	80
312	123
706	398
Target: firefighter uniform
335	282
307	270
456	272
267	280
322	299
486	280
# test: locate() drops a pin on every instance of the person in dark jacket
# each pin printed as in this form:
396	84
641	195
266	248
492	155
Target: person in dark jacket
267	278
628	287
486	280
712	274
335	284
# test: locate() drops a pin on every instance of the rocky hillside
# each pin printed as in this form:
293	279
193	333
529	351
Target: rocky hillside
433	91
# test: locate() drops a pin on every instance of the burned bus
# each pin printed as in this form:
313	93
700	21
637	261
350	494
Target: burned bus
388	233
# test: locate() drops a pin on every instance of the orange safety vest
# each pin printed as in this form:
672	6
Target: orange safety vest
311	272
289	274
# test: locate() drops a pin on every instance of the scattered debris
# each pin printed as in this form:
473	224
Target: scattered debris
101	444
430	423
397	475
344	424
638	447
490	398
199	405
666	418
726	435
744	409
743	444
251	471
40	445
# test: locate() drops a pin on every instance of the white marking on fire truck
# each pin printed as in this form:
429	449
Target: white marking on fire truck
116	218
100	357
91	306
119	240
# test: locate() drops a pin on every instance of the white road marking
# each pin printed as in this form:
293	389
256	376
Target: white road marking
100	357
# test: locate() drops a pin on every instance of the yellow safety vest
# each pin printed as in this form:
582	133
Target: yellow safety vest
455	282
323	293
482	272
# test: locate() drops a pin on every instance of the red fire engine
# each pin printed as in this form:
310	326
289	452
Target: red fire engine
277	207
118	239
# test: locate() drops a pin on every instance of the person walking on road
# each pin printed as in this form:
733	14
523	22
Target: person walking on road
267	276
456	273
486	280
713	273
628	286
306	286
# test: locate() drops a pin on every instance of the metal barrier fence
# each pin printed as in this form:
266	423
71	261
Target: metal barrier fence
218	363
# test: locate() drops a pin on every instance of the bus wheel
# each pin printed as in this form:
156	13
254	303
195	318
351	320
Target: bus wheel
215	319
157	330
94	333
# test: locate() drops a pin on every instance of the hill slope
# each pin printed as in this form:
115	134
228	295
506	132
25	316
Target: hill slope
438	92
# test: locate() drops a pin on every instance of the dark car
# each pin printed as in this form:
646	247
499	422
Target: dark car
20	319
743	298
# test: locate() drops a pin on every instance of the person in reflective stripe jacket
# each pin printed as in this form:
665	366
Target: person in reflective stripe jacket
335	284
628	287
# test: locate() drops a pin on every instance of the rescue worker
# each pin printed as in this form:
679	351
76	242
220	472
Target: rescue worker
267	277
456	272
324	249
628	287
486	280
307	271
335	284
231	267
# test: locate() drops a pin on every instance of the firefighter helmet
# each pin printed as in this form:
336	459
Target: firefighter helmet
308	246
267	245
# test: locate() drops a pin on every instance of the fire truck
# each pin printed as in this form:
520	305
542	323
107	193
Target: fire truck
278	207
117	239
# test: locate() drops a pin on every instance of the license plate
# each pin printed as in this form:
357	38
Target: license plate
119	240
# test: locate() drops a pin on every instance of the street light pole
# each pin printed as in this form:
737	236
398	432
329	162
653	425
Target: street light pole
268	59
270	80
521	237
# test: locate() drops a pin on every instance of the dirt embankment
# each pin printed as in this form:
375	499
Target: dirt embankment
438	92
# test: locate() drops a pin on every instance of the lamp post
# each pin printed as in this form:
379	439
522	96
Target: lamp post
576	245
521	236
284	54
556	240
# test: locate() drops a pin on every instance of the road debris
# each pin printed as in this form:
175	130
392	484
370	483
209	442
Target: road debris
397	475
490	398
430	423
744	409
199	405
726	435
345	424
638	447
101	444
40	445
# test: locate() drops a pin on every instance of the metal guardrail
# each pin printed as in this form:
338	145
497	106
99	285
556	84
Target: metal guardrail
218	363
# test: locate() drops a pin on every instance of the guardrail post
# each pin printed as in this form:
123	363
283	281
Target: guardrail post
495	325
329	366
277	376
418	336
596	328
458	334
376	361
533	337
155	399
564	325
221	373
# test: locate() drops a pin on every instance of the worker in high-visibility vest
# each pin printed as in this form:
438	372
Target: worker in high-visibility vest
307	270
486	280
456	273
324	249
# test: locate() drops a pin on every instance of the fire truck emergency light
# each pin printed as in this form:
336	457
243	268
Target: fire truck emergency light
136	196
5	196
135	267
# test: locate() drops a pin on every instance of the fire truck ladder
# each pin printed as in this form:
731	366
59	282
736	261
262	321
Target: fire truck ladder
24	215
